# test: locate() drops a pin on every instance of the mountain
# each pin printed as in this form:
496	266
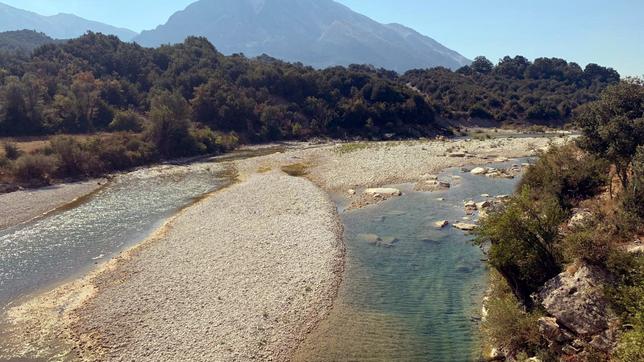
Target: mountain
61	26
23	41
320	33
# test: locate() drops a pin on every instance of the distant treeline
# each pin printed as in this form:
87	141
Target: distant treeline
84	84
515	90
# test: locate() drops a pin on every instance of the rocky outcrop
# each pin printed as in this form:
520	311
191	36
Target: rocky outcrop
577	299
579	316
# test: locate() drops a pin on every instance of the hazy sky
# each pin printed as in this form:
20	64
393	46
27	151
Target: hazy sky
610	33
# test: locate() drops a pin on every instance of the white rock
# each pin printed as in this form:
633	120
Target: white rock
479	171
485	195
441	224
465	226
483	205
351	192
383	192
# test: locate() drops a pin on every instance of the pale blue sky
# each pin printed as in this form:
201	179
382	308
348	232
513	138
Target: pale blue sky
610	33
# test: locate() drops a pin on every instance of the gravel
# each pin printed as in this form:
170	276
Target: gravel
241	275
21	206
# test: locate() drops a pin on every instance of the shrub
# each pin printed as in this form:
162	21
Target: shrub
522	238
227	141
587	245
627	298
633	196
75	158
507	325
11	151
35	169
127	121
566	173
121	151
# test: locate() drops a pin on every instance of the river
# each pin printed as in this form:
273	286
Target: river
419	300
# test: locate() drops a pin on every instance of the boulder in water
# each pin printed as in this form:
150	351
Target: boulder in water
479	171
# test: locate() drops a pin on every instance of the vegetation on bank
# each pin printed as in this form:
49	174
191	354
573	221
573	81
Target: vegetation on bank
189	99
515	90
530	239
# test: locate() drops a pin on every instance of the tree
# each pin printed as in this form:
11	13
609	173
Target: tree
482	65
522	242
613	126
170	130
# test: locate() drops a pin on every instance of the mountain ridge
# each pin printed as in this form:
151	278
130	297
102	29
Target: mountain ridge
59	26
320	33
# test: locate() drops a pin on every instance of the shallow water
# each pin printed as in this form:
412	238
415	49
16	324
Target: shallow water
416	301
65	244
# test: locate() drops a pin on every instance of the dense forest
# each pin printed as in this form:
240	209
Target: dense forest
188	99
23	41
80	86
515	90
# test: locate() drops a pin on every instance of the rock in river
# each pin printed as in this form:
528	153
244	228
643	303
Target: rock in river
383	191
479	171
465	226
441	224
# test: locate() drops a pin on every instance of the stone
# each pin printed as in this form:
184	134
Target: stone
479	171
429	177
440	199
483	205
485	195
441	224
552	332
369	238
383	192
501	159
575	298
351	192
432	186
465	226
580	218
456	154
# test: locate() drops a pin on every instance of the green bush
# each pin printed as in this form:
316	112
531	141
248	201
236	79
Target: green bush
627	297
587	245
11	151
507	325
522	239
35	169
121	151
75	159
568	174
633	196
127	121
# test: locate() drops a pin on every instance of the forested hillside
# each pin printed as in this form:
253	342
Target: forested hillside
515	90
188	99
24	41
81	85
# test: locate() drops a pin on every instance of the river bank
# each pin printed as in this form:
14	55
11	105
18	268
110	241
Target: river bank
24	205
250	270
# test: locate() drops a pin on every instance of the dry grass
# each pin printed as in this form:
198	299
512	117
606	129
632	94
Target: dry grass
296	169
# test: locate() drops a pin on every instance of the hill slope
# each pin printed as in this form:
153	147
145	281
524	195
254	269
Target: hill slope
321	33
23	41
60	26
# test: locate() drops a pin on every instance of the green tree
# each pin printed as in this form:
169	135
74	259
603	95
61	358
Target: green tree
522	242
482	65
170	129
613	126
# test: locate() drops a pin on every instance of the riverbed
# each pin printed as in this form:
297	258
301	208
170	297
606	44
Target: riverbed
420	299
